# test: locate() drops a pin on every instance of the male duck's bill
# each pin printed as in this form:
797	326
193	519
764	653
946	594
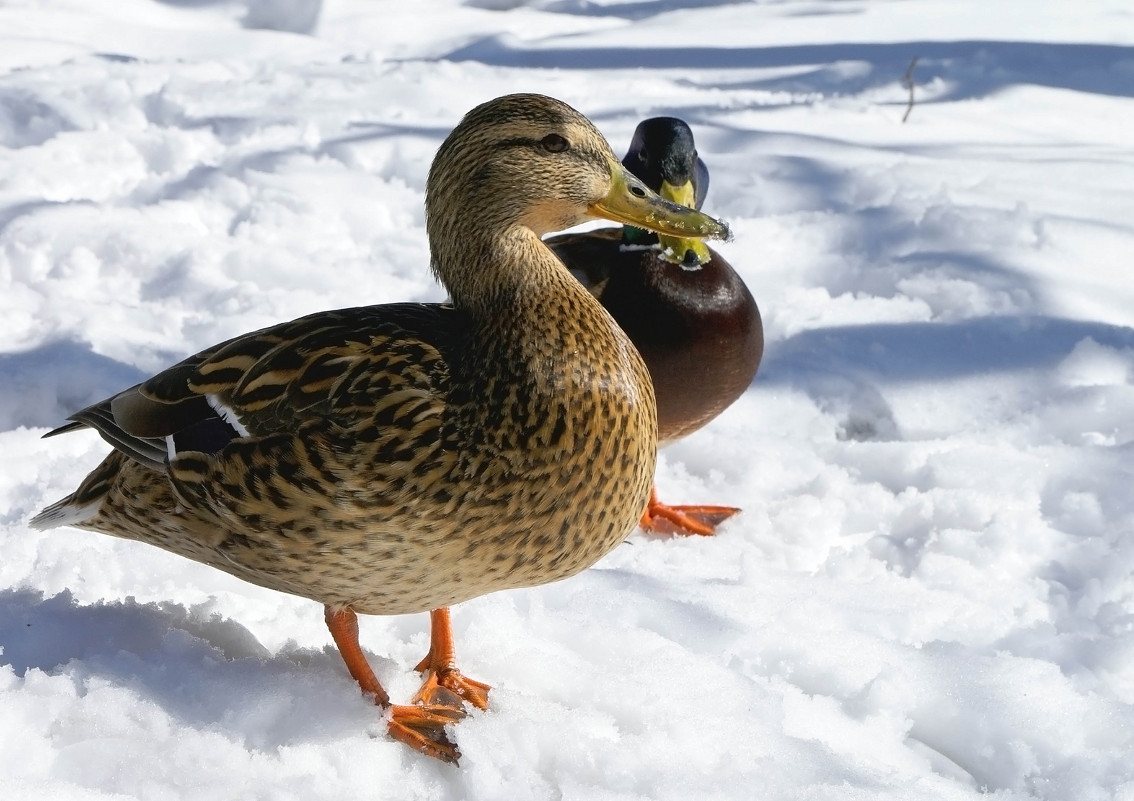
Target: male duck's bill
677	249
631	202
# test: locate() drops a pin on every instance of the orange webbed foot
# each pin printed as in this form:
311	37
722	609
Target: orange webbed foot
700	520
422	728
444	683
449	686
439	702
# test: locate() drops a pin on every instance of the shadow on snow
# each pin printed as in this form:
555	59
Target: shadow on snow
935	351
203	669
970	68
40	387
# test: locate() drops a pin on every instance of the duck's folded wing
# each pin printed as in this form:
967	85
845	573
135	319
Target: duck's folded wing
150	451
331	368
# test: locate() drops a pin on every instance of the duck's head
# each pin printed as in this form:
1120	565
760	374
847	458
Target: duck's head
663	154
531	162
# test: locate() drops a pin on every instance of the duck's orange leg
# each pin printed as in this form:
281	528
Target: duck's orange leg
443	680
420	726
701	520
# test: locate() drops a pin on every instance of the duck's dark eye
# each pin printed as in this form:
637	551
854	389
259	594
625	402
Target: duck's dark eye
554	143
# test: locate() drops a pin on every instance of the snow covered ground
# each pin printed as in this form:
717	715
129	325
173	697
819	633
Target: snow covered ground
930	593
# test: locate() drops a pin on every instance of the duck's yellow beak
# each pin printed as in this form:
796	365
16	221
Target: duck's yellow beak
675	249
631	202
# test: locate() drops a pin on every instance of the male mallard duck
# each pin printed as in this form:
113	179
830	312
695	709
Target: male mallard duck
684	307
405	457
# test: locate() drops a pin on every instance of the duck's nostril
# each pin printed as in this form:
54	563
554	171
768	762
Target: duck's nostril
637	191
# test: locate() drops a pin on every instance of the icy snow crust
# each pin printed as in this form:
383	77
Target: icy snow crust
929	594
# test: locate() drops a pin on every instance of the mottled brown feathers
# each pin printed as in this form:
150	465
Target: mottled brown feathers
404	457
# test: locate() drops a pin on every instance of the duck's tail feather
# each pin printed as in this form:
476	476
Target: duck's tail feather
82	504
64	513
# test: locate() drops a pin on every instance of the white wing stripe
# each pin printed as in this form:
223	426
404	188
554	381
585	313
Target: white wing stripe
227	414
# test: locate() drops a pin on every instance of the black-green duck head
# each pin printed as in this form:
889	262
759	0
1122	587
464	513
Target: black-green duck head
664	155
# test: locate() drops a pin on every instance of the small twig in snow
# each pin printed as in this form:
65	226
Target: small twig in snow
909	83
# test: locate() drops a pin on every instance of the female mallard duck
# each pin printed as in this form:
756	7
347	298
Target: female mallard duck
405	457
684	307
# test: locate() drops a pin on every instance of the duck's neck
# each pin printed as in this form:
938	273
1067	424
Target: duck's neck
505	276
539	326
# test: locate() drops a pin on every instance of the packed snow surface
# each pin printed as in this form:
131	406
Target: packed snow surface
930	592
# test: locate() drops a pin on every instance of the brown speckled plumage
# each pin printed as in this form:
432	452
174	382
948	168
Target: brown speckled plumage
399	458
396	463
